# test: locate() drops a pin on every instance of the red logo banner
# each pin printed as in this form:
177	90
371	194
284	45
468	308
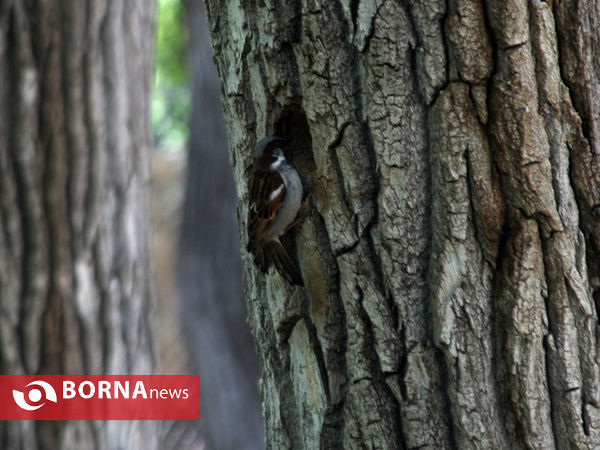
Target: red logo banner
99	397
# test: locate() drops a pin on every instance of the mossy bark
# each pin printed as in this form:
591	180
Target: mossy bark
452	256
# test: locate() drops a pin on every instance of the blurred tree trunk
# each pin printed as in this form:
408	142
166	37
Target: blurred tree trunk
452	259
75	278
209	268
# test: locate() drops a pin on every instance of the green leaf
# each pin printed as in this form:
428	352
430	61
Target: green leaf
171	96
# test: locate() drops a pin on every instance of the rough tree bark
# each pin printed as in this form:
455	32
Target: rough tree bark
75	290
452	258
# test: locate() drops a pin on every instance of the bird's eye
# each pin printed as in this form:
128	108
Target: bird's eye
277	152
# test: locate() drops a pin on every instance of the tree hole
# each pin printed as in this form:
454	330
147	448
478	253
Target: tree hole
293	126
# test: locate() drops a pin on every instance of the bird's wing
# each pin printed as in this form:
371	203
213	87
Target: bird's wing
267	191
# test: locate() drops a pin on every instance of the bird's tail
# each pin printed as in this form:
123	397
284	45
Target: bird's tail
273	251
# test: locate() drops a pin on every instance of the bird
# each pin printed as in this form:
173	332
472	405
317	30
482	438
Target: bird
275	197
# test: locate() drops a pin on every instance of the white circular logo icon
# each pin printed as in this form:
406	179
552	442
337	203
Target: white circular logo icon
34	396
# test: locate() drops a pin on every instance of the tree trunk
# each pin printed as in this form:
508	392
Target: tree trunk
209	268
75	279
452	258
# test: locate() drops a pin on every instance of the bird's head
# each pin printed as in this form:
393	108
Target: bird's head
268	152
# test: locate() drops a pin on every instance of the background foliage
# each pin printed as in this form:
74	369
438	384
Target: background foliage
171	98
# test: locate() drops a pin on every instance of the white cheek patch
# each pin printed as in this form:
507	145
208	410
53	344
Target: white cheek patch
276	193
275	164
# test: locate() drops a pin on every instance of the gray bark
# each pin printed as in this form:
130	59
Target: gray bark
209	267
75	278
452	258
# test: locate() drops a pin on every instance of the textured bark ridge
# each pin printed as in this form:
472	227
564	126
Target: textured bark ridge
452	257
75	291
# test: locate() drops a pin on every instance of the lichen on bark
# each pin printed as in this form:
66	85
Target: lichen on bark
451	255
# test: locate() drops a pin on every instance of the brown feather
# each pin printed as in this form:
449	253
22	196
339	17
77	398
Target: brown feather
263	209
267	191
286	267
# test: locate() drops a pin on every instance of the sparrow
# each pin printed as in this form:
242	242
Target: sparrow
275	191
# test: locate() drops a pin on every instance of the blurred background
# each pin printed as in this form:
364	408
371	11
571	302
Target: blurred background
201	309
